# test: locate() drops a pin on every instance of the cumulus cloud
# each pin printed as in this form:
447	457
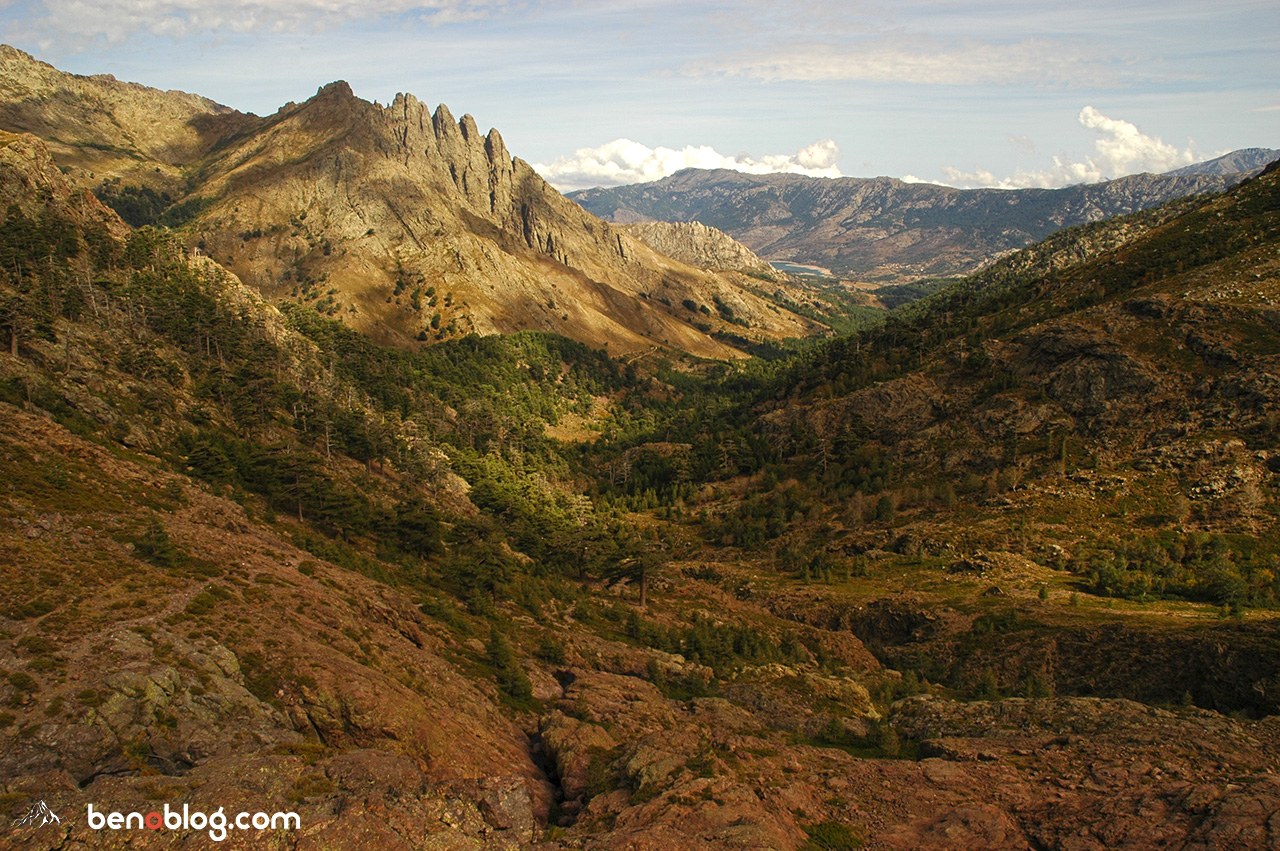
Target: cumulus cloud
1120	149
77	22
919	59
623	161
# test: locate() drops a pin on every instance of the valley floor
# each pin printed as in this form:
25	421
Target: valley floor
131	685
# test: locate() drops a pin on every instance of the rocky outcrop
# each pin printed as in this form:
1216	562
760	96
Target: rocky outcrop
891	412
1082	370
340	706
30	179
1088	774
704	247
878	623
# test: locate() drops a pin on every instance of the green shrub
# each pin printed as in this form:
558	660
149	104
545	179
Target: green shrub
551	650
153	545
512	680
831	836
23	682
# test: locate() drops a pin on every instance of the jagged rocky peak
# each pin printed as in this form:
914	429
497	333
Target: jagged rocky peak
457	140
450	136
338	89
470	131
377	205
496	148
478	164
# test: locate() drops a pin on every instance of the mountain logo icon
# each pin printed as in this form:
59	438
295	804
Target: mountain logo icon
38	816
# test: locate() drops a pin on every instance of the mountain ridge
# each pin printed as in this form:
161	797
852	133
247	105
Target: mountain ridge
1242	161
882	228
98	124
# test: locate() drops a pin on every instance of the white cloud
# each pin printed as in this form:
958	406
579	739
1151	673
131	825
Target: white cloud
919	59
1120	149
822	154
623	161
1124	149
81	22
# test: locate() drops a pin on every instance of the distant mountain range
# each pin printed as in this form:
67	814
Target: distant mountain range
888	230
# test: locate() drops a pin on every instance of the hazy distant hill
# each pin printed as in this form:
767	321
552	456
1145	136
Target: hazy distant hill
882	228
1243	160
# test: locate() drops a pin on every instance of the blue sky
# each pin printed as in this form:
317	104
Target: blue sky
596	91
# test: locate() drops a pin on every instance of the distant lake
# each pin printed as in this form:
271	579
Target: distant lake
800	269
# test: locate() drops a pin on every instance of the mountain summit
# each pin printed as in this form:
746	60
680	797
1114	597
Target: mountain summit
406	223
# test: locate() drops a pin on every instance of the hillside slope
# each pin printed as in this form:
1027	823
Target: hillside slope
100	128
1145	373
